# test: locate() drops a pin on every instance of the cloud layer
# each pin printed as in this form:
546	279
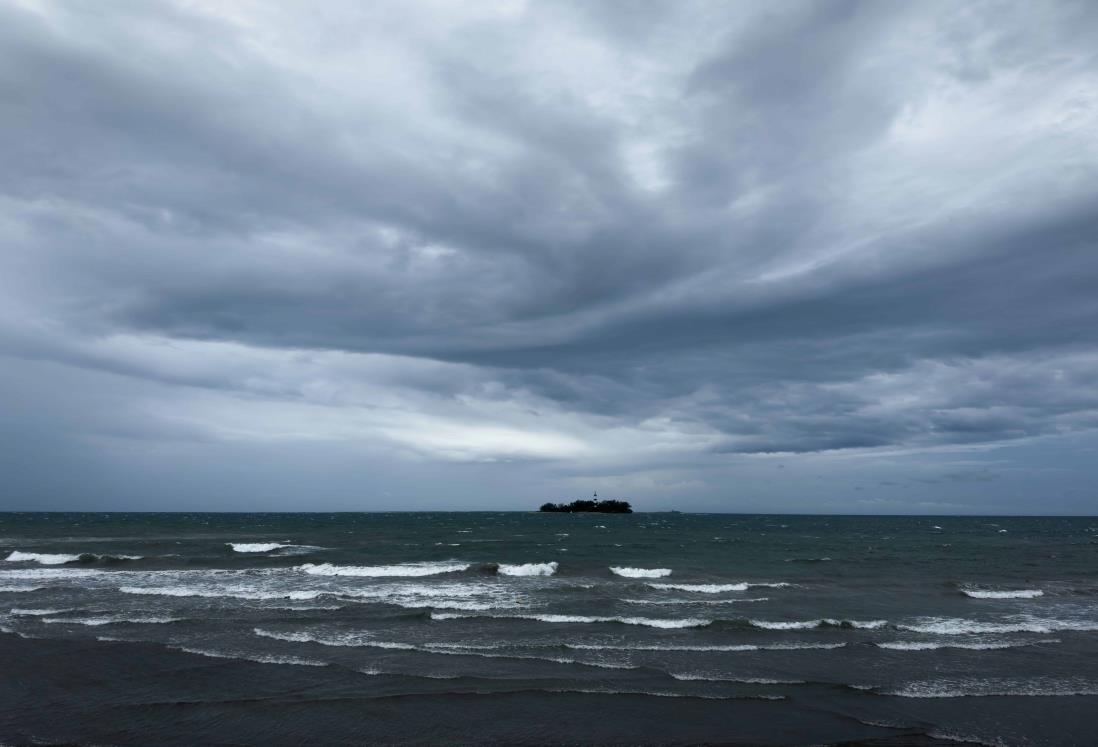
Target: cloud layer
507	247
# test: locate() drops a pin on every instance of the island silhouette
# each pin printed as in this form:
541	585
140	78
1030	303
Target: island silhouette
589	506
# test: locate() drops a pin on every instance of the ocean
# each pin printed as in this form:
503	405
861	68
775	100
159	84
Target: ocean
528	628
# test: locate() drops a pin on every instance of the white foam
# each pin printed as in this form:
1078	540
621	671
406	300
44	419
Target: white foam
333	639
110	620
1003	593
260	658
41	558
255	546
1021	624
719	588
640	572
377	571
694	601
694	677
825	622
993	688
38	613
932	646
51	573
529	569
788	646
229	592
547	618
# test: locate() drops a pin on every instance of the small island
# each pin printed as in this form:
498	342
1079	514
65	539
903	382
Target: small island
589	506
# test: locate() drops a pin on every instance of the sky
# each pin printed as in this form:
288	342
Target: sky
835	257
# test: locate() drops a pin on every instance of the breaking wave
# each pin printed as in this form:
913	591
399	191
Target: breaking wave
640	572
231	593
822	623
787	646
42	558
961	626
932	646
96	621
992	688
646	621
1003	593
719	588
379	571
695	601
259	658
528	569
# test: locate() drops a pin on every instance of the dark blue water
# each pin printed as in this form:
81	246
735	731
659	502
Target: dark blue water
646	628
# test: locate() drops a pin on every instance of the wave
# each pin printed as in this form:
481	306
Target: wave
19	589
695	601
259	658
341	640
360	640
640	572
932	646
38	613
95	621
787	646
41	558
961	626
992	688
51	573
822	623
807	560
378	571
719	588
270	547
190	591
1003	593
255	546
646	621
691	677
528	569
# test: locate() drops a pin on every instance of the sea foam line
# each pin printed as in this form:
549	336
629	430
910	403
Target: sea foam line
961	626
548	618
932	646
719	588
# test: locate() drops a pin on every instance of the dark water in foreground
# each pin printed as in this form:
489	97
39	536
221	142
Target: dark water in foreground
547	628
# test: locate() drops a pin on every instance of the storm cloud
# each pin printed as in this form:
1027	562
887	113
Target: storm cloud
835	256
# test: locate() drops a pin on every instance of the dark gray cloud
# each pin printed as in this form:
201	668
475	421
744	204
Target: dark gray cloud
501	245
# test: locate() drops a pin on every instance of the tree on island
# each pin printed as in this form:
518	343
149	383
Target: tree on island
589	506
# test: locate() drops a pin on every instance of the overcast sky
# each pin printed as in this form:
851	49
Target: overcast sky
718	256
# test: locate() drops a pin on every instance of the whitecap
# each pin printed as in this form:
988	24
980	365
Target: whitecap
694	601
377	571
230	593
38	613
701	677
961	626
41	558
259	658
992	688
551	618
640	572
720	588
529	569
95	621
934	646
824	622
1003	593
255	546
